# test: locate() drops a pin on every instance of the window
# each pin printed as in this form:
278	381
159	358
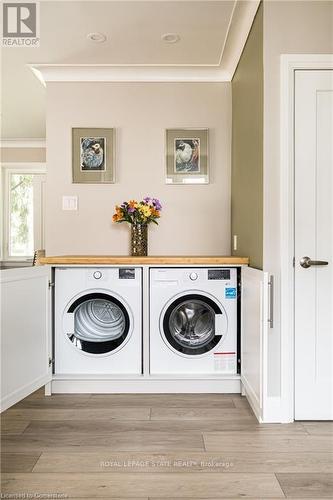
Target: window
23	190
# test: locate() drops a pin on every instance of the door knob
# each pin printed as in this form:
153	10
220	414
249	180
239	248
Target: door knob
307	262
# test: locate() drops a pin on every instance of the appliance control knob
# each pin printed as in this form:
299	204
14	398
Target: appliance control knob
97	275
193	276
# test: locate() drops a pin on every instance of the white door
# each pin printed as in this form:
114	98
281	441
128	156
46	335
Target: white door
254	339
26	344
313	242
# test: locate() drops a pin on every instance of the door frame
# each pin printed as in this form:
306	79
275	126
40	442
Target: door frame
288	65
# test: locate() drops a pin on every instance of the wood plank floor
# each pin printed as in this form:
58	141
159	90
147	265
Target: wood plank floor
159	446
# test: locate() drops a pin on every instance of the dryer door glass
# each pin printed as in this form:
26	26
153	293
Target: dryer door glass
101	323
189	324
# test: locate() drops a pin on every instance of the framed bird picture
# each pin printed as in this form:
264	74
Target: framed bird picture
93	155
187	156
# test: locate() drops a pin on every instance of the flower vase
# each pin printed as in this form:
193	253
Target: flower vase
139	239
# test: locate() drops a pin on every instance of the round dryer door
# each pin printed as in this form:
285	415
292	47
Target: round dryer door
100	323
194	324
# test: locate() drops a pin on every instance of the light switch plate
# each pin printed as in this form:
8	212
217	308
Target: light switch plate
69	202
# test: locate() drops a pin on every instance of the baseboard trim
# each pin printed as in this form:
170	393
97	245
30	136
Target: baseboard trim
22	393
252	398
142	385
272	411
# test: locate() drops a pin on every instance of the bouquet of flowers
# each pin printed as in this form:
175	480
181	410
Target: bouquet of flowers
138	212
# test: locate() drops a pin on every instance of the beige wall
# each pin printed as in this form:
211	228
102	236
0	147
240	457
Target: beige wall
289	28
247	148
23	155
195	220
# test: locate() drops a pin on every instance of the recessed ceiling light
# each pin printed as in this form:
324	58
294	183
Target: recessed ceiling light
96	37
170	37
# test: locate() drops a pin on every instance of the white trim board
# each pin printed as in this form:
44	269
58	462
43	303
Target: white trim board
288	65
47	73
35	167
251	398
239	28
23	143
144	384
7	168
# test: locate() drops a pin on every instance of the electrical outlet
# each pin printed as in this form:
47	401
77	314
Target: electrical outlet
235	242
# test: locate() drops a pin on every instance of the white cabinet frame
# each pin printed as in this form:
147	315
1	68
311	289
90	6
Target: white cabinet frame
33	326
26	338
254	331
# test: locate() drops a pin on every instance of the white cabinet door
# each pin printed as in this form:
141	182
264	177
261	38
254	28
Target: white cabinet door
254	337
314	239
26	342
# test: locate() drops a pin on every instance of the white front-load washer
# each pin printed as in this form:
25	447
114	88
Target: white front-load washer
98	320
193	321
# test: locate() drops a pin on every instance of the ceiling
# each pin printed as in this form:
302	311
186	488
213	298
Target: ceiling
133	30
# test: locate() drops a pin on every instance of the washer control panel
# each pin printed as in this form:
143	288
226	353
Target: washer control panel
219	274
193	276
126	273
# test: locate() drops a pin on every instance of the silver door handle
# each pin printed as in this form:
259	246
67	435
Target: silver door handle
307	262
271	302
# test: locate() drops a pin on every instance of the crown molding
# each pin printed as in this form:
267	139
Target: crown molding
23	143
47	73
238	32
240	25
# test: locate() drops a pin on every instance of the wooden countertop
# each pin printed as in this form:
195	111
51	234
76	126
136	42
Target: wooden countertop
121	260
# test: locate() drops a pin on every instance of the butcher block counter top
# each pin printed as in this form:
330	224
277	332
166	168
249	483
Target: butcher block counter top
125	260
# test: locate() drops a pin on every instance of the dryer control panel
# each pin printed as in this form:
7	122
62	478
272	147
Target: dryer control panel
99	277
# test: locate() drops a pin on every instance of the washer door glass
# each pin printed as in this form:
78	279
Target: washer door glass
101	323
189	324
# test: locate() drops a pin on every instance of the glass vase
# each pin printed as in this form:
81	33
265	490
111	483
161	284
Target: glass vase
139	239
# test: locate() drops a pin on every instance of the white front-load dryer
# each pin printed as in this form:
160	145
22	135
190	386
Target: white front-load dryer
193	321
98	320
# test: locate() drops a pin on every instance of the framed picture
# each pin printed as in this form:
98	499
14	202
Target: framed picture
187	156
93	155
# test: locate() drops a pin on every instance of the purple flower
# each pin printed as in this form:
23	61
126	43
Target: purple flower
147	200
157	204
131	209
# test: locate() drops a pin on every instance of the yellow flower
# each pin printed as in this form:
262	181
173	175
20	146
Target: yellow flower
145	210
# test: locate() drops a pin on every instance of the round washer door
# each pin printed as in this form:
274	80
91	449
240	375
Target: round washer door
194	324
99	323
